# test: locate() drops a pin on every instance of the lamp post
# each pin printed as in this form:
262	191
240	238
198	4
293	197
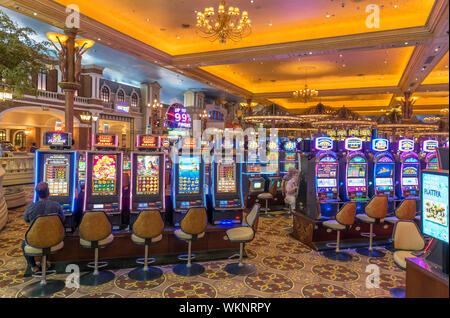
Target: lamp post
5	94
70	51
204	117
156	108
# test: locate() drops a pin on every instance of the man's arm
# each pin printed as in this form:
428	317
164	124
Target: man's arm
29	211
61	213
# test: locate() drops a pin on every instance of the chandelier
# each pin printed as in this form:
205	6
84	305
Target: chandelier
225	25
305	93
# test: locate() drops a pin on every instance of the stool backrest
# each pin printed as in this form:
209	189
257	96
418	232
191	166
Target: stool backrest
148	224
346	216
194	222
95	226
406	210
252	216
273	188
45	231
407	236
377	207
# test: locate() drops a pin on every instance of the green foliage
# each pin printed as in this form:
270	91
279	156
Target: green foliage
21	57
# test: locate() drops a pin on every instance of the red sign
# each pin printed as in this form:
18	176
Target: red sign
189	143
105	140
147	141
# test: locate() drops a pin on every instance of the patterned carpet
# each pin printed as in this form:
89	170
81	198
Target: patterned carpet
286	269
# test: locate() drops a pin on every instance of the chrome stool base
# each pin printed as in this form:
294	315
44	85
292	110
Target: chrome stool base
398	292
101	278
142	275
370	253
337	256
183	270
38	289
235	269
266	216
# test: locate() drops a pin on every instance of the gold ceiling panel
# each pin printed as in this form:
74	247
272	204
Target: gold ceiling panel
440	73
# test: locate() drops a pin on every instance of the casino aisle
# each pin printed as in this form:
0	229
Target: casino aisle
285	269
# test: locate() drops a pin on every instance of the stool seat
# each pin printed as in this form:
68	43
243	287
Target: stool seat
265	196
139	240
30	250
392	219
367	219
401	256
334	225
240	234
101	243
185	236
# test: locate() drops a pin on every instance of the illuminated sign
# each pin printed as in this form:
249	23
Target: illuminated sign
143	141
177	117
57	139
122	107
105	140
380	144
189	143
430	145
324	143
406	145
353	144
58	126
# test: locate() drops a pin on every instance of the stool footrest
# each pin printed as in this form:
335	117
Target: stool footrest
234	256
368	234
47	273
150	260
185	257
99	264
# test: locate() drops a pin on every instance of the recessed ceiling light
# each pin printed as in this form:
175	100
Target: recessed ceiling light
406	43
34	13
251	1
343	65
340	55
310	53
328	15
178	37
99	39
148	20
395	6
270	24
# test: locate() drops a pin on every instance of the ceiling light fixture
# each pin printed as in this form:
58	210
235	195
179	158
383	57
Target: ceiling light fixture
225	25
306	92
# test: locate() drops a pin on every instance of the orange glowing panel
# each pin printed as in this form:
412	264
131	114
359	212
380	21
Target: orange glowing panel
439	74
170	25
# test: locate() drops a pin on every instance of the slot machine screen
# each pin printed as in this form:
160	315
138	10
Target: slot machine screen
410	170
272	156
356	182
410	181
257	185
104	175
253	156
272	168
189	175
326	170
433	163
253	168
355	171
226	177
147	175
383	182
384	170
435	205
287	165
290	156
325	183
56	174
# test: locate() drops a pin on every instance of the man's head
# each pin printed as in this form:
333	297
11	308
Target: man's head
292	171
33	144
42	190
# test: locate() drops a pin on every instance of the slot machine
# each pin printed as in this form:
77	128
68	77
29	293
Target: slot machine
288	156
103	185
318	192
429	157
383	166
226	199
58	168
408	170
188	178
354	173
147	182
272	171
253	182
81	168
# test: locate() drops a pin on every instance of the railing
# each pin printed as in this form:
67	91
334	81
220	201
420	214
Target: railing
48	95
3	207
19	168
81	100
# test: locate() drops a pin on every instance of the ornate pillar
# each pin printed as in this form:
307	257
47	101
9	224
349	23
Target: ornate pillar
407	107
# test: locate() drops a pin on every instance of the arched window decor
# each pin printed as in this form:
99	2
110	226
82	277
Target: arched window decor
134	100
120	96
19	139
2	134
105	94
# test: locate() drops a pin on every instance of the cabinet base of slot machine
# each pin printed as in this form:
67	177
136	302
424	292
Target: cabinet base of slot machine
228	217
69	222
116	219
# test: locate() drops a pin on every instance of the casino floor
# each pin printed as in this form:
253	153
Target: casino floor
285	269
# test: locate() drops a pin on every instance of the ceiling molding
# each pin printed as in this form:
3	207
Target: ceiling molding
432	88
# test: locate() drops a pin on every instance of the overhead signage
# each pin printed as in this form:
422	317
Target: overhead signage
406	145
430	145
353	144
178	117
145	141
380	144
122	107
105	140
324	143
57	139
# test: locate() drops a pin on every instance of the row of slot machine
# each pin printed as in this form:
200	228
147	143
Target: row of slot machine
354	170
95	182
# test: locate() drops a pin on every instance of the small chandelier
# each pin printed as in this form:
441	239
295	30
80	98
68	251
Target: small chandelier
5	94
305	93
226	25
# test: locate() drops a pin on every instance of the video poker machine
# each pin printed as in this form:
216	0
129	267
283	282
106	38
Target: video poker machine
188	179
288	156
58	168
408	170
429	156
383	168
147	183
226	202
272	170
318	191
103	185
253	182
354	173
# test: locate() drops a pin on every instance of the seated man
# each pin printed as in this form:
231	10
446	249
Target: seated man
291	172
43	207
291	189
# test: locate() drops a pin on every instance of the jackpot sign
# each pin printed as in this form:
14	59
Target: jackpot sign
406	145
178	117
380	144
353	144
324	143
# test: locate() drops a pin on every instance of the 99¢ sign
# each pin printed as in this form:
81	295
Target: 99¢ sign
178	117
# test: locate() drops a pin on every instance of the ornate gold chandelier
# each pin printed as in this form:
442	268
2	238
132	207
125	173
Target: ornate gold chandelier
226	24
305	93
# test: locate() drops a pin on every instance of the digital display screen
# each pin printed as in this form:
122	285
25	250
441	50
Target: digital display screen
356	182
325	183
272	168
104	175
147	174
326	170
257	185
410	181
289	146
103	140
150	142
253	156
126	165
290	156
287	165
435	205
56	139
189	175
383	182
356	170
272	156
253	168
384	170
56	174
226	177
410	170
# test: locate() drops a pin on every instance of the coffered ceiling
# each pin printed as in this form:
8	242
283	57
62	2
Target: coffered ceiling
324	43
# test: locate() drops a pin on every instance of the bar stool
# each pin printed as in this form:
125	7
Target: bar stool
45	236
243	235
268	196
406	211
96	232
147	230
407	240
344	220
376	211
192	227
